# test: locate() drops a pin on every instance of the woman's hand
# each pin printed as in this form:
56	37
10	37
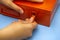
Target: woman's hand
20	29
36	1
13	6
10	4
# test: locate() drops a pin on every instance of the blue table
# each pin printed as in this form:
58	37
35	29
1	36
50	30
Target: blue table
42	32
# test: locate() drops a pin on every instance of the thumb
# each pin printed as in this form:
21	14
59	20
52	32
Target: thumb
36	1
13	6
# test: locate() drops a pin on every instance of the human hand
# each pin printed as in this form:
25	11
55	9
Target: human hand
19	29
13	6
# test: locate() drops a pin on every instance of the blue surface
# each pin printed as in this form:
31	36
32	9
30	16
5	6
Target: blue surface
42	32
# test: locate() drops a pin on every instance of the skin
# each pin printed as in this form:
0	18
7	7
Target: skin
20	29
10	4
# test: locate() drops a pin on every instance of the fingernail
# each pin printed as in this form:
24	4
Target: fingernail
21	11
41	0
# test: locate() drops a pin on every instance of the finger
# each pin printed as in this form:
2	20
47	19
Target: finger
34	25
32	18
22	21
27	20
19	20
13	6
36	0
17	8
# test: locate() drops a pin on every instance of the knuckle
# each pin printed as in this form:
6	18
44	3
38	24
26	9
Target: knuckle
30	34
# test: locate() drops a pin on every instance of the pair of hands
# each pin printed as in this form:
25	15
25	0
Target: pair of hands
19	29
13	6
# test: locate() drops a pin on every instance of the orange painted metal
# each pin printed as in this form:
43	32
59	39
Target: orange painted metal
42	11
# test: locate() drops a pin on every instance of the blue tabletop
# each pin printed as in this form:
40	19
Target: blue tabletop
41	32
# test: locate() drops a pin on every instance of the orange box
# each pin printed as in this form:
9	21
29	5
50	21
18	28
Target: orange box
42	11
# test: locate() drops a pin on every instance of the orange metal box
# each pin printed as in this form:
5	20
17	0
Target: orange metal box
42	11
